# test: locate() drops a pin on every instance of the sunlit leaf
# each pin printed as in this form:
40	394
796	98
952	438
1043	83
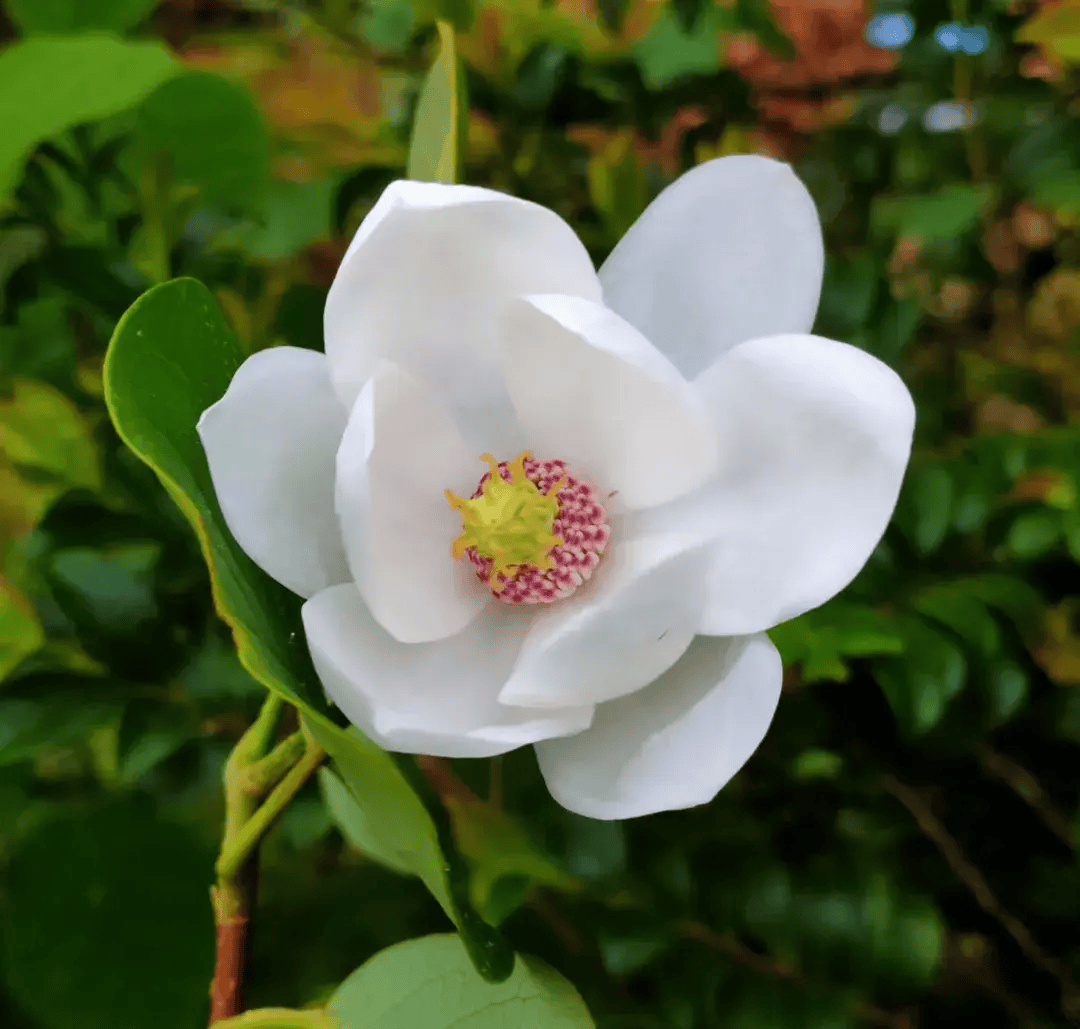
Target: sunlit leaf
441	120
71	80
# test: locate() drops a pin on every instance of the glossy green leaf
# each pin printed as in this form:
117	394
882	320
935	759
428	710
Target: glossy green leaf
72	80
101	901
172	356
34	17
436	149
429	983
215	136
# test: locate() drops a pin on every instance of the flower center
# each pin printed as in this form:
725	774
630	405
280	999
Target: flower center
532	529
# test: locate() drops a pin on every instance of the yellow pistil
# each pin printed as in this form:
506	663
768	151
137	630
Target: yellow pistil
510	522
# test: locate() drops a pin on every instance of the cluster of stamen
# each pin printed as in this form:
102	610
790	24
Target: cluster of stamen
536	536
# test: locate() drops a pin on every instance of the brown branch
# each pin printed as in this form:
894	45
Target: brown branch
975	881
1028	789
727	943
226	990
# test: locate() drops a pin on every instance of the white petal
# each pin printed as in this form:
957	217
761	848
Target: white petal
590	389
730	251
677	742
815	436
427	698
621	629
270	442
400	453
423	284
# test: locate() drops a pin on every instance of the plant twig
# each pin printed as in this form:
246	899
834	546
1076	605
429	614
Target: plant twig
975	881
249	773
727	943
1027	788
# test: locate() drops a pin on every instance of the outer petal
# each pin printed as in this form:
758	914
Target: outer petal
730	251
590	389
427	698
815	436
400	453
625	626
677	742
424	281
270	443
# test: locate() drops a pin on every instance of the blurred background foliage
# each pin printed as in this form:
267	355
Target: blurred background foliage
902	850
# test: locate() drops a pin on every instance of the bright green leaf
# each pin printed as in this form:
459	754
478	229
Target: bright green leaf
668	53
441	120
103	900
41	429
21	633
56	17
71	80
430	983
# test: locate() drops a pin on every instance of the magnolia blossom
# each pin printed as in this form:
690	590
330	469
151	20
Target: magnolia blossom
532	503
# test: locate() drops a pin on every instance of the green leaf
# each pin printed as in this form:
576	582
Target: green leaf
437	147
499	847
57	17
669	53
926	506
293	215
1057	27
359	831
100	903
30	727
71	81
1034	533
172	356
919	686
966	614
389	25
945	214
41	430
429	983
757	17
21	633
215	135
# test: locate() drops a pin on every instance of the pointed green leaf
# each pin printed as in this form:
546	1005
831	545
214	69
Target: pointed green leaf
71	80
439	126
429	983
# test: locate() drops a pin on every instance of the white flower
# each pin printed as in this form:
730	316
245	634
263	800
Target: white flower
725	471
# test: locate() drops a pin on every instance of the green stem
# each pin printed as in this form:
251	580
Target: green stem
258	778
235	852
279	1018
